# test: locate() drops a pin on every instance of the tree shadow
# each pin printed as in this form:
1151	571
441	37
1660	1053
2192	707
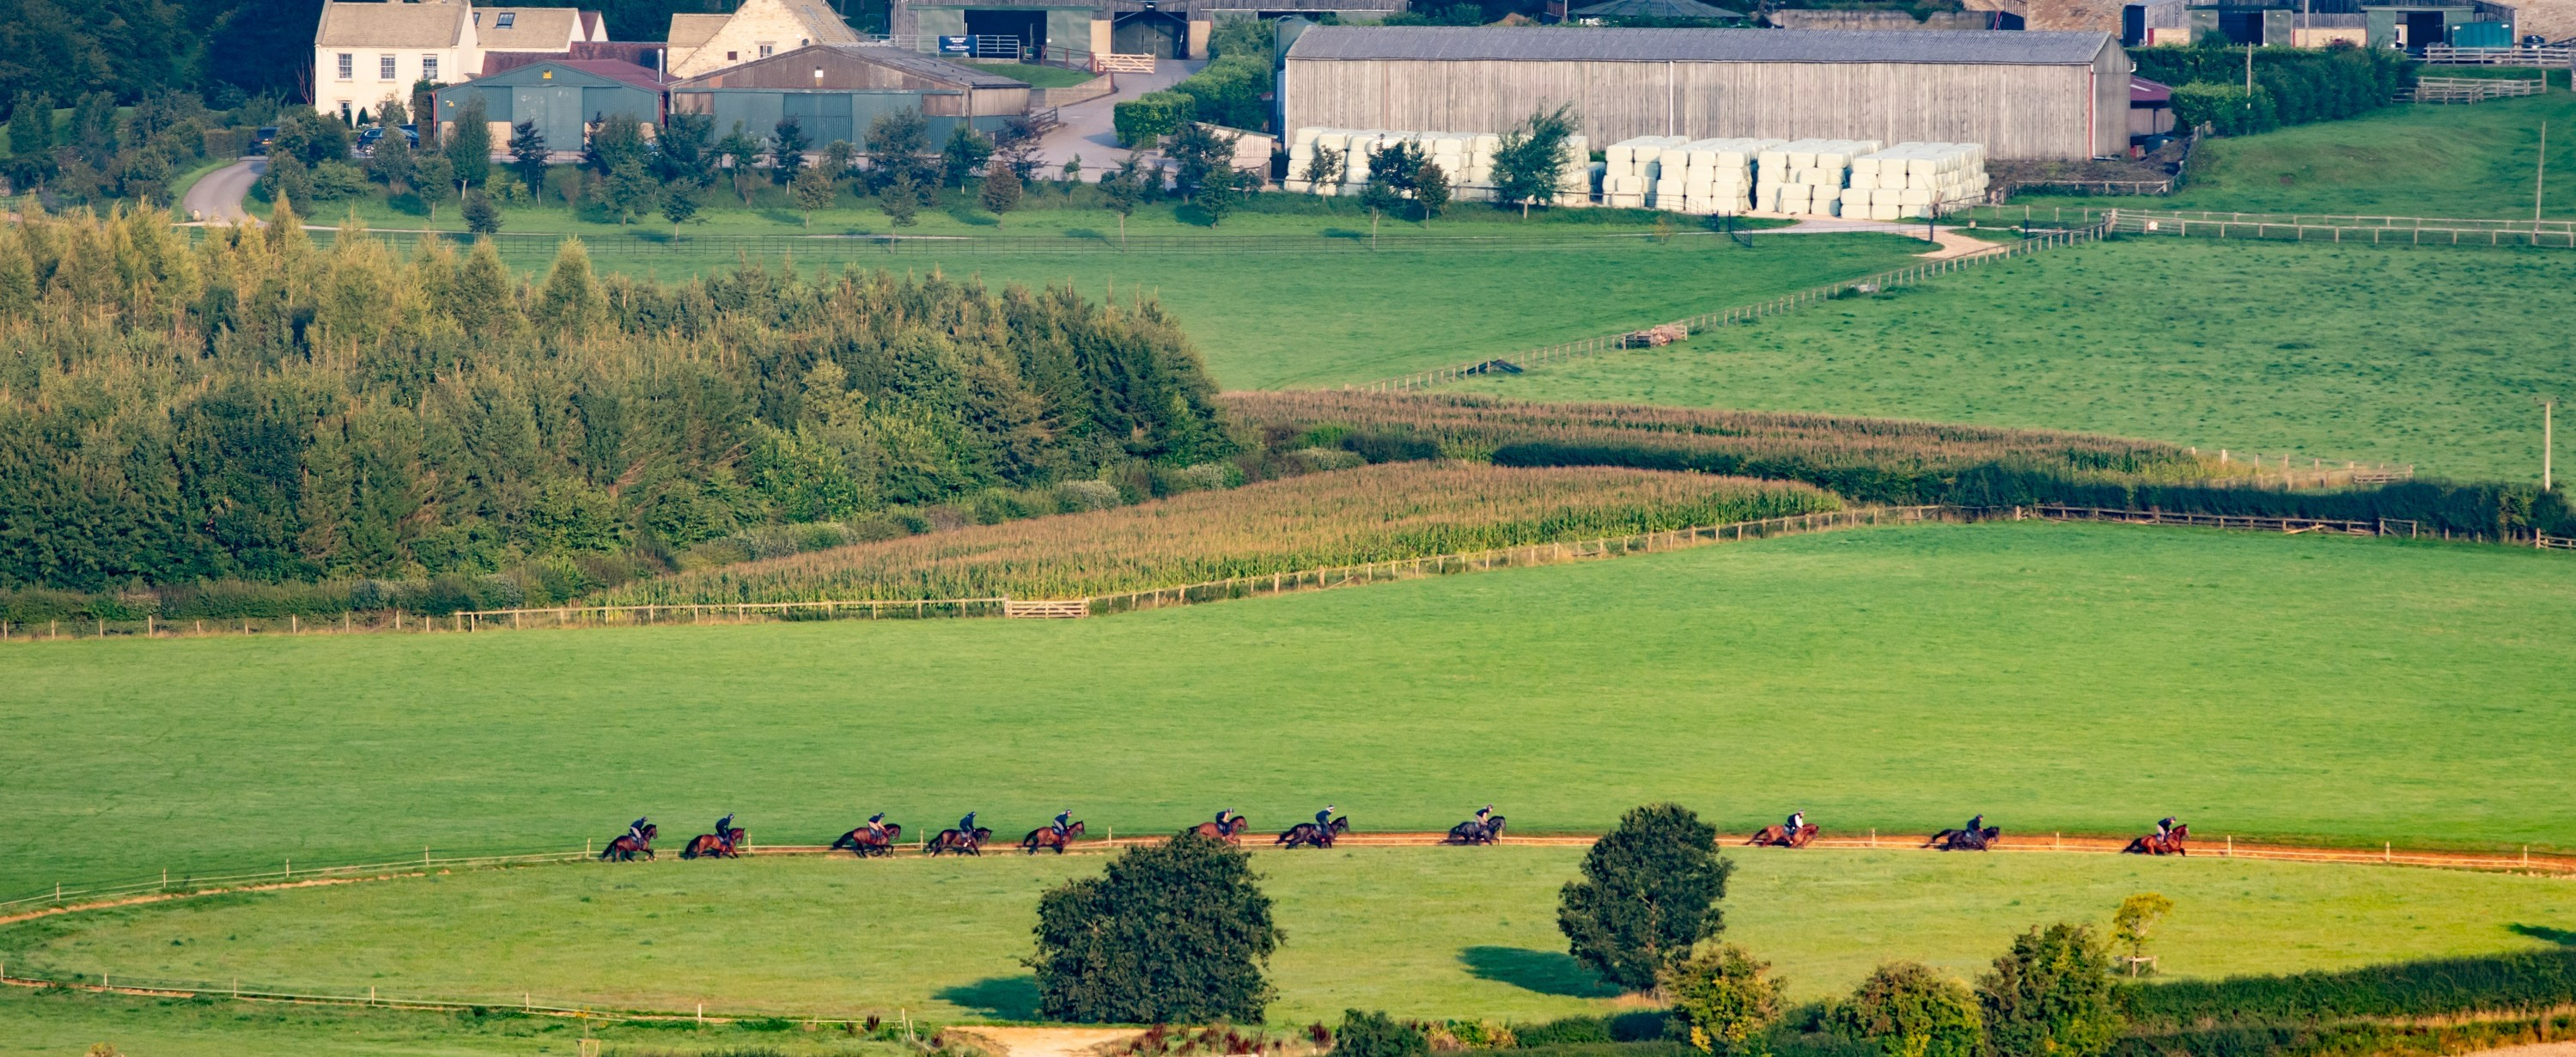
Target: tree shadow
971	216
1546	972
1346	233
1089	233
2561	937
998	997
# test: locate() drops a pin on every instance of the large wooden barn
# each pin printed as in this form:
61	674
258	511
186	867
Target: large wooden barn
2022	94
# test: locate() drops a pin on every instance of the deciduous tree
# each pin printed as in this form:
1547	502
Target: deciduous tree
1175	932
2050	996
1649	893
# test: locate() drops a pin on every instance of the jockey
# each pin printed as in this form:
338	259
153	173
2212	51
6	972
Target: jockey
1225	820
876	825
966	826
1324	818
724	828
2165	826
1063	821
1977	825
1797	821
1485	815
635	830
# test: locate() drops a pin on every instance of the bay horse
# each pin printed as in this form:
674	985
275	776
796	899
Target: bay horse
1778	836
950	840
1474	832
2168	844
726	845
1966	839
1231	832
1047	837
625	848
863	843
1310	835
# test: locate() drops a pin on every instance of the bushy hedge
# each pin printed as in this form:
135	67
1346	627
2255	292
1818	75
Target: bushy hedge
1573	1032
1153	114
2292	86
2536	980
1227	91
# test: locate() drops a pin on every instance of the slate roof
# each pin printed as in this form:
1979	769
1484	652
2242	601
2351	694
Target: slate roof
1654	9
1587	44
531	28
689	31
437	24
904	59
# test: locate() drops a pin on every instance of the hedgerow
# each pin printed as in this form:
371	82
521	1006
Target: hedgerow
2522	982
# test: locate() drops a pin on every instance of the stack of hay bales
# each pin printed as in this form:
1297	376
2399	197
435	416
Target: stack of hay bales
1467	158
1806	176
1911	180
1715	176
1634	166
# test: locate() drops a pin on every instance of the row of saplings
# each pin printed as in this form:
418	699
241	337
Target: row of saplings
1179	932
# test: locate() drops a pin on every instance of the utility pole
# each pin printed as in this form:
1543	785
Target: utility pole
2539	181
2548	405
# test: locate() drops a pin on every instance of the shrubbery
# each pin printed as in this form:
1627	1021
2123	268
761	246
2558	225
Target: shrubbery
1907	1010
2050	996
1724	1001
2292	86
2531	981
1153	114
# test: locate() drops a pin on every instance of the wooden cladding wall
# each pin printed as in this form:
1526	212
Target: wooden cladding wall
2016	111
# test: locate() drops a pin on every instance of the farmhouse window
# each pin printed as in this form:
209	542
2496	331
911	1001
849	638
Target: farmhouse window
348	66
506	20
765	49
429	67
384	67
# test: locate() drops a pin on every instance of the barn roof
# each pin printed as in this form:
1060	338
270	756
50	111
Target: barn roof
1654	9
1586	44
390	25
904	59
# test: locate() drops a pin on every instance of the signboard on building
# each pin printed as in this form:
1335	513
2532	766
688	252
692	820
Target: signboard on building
956	45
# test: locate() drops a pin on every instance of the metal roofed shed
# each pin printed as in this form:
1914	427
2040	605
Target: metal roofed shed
2022	94
1654	9
565	97
835	91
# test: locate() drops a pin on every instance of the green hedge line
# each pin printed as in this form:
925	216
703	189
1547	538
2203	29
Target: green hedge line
2475	510
2351	1040
2523	982
2292	86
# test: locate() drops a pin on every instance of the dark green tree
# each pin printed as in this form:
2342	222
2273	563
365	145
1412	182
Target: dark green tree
896	143
1176	932
1366	1034
967	150
1907	1010
2050	996
1649	893
434	181
687	150
616	141
1221	192
629	189
469	149
1431	191
1120	191
740	151
1528	163
787	146
1723	1001
1380	198
1001	192
900	199
528	156
813	190
31	139
481	216
1196	150
391	162
679	204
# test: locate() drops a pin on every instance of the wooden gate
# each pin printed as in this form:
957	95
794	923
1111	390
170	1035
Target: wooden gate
1045	609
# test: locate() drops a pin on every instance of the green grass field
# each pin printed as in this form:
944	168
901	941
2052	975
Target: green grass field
1419	931
2086	679
2419	161
1270	320
2431	357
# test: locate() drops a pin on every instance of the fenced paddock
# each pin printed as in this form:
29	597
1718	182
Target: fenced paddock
1906	276
2545	56
2470	89
535	249
2376	230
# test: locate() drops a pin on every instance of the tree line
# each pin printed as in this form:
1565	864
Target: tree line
257	408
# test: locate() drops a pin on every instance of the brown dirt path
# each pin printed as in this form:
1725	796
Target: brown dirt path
1051	1042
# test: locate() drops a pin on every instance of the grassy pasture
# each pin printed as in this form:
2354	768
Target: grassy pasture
2410	160
1419	931
1270	320
2422	356
2080	678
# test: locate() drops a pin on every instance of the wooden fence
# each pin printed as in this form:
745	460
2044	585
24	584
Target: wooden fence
2469	89
2375	231
646	242
1906	276
1110	62
2556	56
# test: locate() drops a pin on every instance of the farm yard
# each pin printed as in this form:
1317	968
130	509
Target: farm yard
292	775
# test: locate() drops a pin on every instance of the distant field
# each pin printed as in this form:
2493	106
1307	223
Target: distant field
2431	357
2088	679
2410	160
1272	320
1419	931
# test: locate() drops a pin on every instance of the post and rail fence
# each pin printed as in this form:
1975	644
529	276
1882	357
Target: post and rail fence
2470	89
2543	56
2293	227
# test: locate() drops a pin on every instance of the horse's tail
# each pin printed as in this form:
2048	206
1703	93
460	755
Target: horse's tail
848	840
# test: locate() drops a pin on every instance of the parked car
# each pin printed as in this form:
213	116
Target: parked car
371	134
260	144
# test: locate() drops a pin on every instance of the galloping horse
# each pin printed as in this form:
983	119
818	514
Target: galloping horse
726	845
2168	844
1310	835
950	840
1474	832
1966	839
1778	836
1231	833
863	843
625	848
1047	837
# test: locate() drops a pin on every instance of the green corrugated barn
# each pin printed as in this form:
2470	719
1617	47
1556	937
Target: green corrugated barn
836	90
563	96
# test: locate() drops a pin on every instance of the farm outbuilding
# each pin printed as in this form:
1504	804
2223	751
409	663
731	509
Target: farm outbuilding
2021	94
836	90
565	97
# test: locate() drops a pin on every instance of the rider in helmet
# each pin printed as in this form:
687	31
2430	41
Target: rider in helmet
1063	821
724	830
635	830
1484	814
966	826
1324	818
2165	826
1225	820
876	825
1797	821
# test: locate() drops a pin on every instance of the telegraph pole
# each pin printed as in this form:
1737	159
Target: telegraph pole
2539	181
2548	404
